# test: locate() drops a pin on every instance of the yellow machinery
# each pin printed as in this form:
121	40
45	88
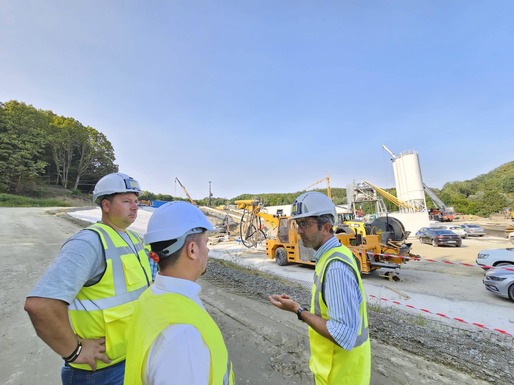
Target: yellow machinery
185	191
372	252
329	192
251	227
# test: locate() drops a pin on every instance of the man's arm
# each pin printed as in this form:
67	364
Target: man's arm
52	325
319	324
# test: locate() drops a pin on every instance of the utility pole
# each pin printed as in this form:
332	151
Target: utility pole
210	194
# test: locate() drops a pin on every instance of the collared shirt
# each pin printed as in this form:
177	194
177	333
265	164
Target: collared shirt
343	298
178	355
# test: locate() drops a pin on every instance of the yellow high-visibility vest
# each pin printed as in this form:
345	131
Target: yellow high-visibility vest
104	309
153	314
331	364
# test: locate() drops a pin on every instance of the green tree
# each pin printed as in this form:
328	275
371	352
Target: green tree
22	144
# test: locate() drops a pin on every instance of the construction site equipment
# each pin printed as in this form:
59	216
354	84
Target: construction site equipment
441	212
362	194
384	246
251	226
327	178
185	191
391	198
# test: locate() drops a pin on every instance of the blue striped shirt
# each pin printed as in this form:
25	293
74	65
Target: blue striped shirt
343	298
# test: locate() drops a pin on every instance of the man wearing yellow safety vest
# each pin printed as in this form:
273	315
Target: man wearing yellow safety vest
172	339
337	319
81	306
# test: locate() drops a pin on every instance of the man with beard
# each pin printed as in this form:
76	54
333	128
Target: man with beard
338	321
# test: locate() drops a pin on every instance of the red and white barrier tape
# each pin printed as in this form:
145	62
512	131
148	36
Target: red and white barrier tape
479	325
443	261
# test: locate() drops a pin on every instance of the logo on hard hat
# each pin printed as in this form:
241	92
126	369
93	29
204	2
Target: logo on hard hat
296	209
132	184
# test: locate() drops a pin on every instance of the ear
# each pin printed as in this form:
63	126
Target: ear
192	250
105	204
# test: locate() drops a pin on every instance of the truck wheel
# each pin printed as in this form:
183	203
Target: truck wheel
281	256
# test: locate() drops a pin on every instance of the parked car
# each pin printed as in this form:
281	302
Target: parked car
473	230
421	231
495	257
511	237
441	237
500	281
457	229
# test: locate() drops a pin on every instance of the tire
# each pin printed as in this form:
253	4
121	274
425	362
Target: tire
434	243
281	256
511	292
250	230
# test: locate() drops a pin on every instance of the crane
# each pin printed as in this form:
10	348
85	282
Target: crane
327	178
185	191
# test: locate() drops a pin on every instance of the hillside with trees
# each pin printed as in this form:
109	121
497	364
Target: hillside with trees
39	148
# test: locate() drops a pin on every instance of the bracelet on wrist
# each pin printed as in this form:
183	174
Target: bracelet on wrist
73	356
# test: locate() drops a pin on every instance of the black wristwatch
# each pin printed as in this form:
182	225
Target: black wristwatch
299	313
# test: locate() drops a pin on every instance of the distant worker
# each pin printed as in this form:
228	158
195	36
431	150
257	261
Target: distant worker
172	339
338	321
81	306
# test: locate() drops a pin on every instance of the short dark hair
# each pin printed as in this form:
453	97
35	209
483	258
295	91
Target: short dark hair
325	218
170	260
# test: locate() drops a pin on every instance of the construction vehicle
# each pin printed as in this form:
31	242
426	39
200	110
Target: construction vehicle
441	212
185	191
254	221
383	246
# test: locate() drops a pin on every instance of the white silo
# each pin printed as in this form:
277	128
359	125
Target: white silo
408	179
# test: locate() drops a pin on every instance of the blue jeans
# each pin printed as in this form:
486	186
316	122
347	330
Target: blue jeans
112	375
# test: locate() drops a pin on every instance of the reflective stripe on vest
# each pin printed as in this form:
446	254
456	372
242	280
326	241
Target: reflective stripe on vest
152	314
318	285
105	308
115	246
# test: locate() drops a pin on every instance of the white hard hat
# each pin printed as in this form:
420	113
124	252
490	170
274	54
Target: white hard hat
174	220
115	183
312	204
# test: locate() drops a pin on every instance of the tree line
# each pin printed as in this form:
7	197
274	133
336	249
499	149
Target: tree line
38	146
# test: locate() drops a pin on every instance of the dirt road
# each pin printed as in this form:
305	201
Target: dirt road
267	346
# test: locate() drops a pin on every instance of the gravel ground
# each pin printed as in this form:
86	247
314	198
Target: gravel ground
485	356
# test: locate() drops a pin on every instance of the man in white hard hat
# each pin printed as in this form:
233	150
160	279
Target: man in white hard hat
81	306
172	338
338	321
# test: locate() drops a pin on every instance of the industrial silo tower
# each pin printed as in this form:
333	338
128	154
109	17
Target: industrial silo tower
408	180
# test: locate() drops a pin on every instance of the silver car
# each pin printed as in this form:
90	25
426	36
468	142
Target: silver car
500	281
495	257
473	230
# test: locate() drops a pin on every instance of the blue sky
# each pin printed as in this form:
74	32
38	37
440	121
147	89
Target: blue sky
271	96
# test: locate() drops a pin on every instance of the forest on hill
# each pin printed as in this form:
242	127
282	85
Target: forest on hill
39	148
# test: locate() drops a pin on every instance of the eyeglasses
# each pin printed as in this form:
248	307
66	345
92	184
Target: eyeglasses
304	224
